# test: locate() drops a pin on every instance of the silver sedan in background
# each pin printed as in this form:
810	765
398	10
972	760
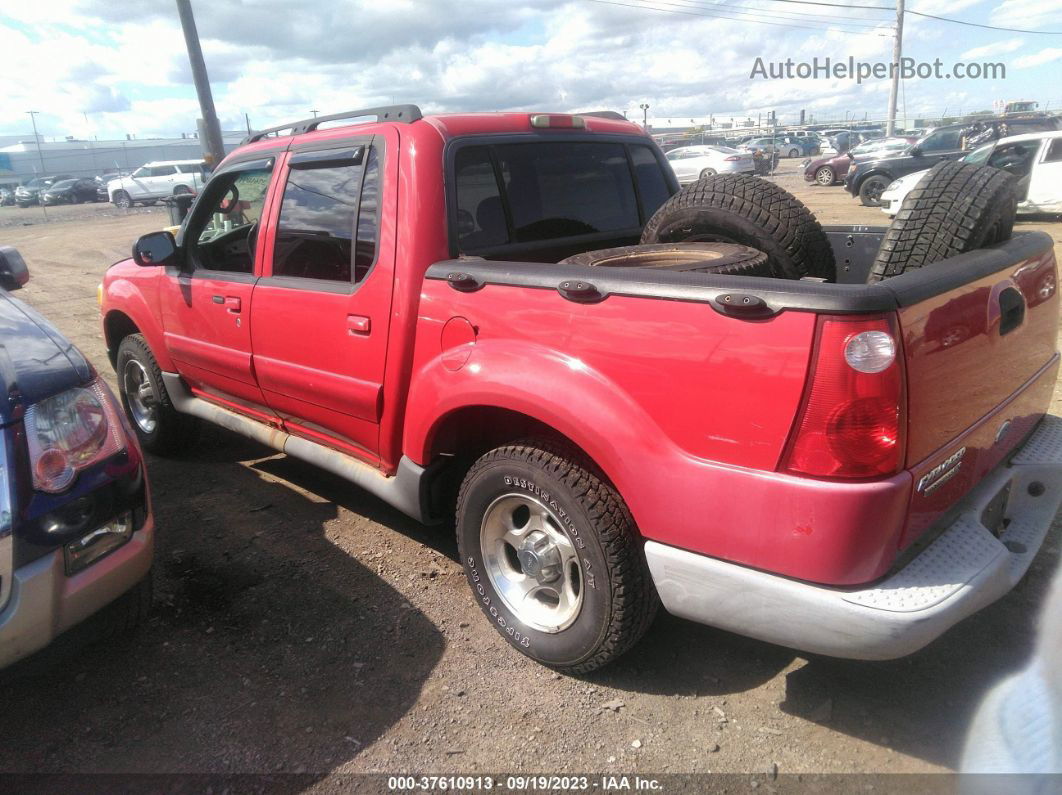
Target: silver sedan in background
691	163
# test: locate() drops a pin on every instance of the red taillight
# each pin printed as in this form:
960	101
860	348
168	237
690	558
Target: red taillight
732	158
555	120
852	419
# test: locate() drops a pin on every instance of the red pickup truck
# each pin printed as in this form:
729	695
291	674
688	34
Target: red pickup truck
402	302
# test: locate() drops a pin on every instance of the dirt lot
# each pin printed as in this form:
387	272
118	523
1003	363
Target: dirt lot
304	626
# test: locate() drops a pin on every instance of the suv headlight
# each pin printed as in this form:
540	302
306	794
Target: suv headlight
70	432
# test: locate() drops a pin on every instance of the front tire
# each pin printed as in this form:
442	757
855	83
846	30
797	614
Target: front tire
552	556
161	429
824	176
871	189
122	200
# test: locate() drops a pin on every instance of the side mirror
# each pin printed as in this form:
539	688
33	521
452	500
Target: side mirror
13	270
155	248
915	151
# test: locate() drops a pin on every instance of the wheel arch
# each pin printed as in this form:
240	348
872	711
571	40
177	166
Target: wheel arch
458	416
120	322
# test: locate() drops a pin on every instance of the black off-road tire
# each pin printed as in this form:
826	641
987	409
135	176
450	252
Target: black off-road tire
744	209
954	208
870	190
728	258
619	600
174	431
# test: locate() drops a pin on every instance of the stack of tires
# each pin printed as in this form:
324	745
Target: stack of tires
742	225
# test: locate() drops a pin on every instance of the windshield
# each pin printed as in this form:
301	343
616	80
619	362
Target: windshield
143	171
979	156
63	184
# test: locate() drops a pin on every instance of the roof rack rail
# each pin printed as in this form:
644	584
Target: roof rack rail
605	114
404	114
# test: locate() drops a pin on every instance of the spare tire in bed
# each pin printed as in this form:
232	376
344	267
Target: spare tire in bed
728	258
954	208
750	211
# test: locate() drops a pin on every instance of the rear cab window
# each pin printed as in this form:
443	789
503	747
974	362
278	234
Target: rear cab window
545	194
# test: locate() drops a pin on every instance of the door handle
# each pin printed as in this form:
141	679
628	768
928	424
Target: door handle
233	304
358	324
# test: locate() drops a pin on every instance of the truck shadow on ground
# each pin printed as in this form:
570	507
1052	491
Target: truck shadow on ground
270	649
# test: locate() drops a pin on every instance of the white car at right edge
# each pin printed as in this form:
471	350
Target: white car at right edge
1034	158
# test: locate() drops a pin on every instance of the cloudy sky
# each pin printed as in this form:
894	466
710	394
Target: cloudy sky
105	68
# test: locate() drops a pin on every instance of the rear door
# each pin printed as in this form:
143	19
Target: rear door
206	305
321	312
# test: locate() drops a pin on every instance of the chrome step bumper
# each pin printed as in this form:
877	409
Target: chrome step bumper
962	571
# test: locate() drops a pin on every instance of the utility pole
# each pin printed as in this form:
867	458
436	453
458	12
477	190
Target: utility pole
37	138
645	116
40	156
314	112
247	121
897	54
213	147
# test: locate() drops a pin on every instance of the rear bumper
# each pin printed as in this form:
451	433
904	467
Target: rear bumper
45	602
964	569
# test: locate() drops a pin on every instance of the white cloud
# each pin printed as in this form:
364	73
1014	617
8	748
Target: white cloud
124	65
1036	59
995	48
1033	14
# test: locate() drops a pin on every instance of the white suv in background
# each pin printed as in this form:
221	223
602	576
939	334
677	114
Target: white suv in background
152	181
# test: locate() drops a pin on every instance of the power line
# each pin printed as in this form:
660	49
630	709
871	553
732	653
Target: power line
718	16
819	3
855	22
979	25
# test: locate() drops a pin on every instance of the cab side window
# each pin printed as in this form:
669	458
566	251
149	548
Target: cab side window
1054	151
328	221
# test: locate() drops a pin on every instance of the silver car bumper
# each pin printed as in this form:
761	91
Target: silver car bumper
961	571
44	602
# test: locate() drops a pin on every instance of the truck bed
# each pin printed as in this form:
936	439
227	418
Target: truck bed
718	391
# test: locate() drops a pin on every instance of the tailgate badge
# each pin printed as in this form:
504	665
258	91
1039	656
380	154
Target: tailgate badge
941	473
1003	430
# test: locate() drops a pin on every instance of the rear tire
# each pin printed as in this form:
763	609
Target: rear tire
794	152
953	209
552	556
695	257
740	208
161	429
181	190
708	172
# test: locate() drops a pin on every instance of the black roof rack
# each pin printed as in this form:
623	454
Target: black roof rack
605	114
404	114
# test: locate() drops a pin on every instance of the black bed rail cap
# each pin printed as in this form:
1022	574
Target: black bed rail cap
402	114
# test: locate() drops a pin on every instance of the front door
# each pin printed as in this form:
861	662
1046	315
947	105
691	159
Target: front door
1045	195
321	312
207	303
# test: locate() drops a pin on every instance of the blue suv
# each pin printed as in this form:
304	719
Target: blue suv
76	529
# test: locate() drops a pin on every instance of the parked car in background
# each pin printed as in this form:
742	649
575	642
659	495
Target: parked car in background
71	191
101	189
76	529
764	145
832	169
690	163
869	177
1034	159
153	181
7	196
29	194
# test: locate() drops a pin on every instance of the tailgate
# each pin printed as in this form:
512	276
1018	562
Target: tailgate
981	362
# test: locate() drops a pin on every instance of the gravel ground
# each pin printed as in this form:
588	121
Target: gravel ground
303	626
